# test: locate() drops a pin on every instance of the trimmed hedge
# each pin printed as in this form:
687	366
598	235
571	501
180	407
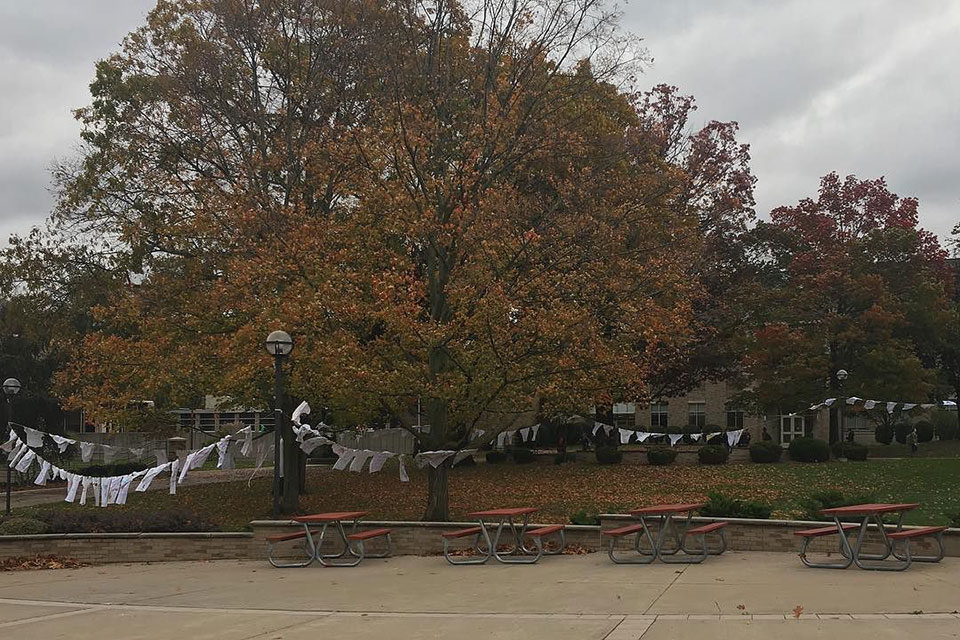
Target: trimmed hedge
830	499
883	434
901	431
609	455
765	451
660	456
713	454
522	456
496	457
562	458
721	506
19	526
809	450
850	450
117	521
924	431
945	424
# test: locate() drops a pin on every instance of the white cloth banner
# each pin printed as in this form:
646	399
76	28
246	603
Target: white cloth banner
891	406
26	461
34	437
853	400
62	443
433	458
642	436
346	457
674	438
534	430
733	437
223	450
307	446
247	442
403	470
86	451
360	459
302	409
44	473
625	435
524	433
908	406
109	453
869	404
377	462
173	477
150	475
695	436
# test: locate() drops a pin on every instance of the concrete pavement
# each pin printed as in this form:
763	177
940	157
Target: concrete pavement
738	595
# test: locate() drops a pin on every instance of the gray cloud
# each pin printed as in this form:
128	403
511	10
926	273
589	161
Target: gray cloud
868	87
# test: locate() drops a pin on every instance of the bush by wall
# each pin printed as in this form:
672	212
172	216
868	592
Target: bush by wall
883	434
713	454
829	499
809	450
850	450
945	424
901	431
496	457
765	451
565	457
76	520
522	456
924	431
18	526
609	455
466	462
721	506
111	469
661	455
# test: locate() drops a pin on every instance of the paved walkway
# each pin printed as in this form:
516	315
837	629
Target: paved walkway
739	595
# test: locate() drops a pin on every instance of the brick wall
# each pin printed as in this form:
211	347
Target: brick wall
409	538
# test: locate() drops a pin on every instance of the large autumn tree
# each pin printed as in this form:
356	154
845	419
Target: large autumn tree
849	282
452	201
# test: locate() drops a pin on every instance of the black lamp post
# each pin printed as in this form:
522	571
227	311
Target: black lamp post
11	387
279	344
841	377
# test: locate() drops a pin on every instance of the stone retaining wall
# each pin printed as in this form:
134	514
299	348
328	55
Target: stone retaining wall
409	538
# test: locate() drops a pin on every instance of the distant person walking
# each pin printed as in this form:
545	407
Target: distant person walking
912	441
765	436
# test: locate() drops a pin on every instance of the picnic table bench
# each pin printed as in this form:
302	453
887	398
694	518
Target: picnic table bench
664	516
352	543
867	514
519	553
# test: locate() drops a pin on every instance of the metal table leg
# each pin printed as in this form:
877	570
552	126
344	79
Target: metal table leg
327	559
520	549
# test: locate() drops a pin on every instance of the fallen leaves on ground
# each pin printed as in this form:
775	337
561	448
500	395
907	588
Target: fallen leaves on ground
24	563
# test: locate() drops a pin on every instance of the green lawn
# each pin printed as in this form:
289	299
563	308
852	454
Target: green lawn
562	490
937	449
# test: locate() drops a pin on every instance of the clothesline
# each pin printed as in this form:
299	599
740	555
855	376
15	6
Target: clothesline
626	435
890	406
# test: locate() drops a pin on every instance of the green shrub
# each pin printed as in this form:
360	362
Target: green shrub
661	455
721	506
809	450
945	424
901	430
955	520
112	469
466	462
850	450
584	517
522	456
924	431
609	455
883	434
123	521
20	526
562	458
765	451
496	457
830	499
713	454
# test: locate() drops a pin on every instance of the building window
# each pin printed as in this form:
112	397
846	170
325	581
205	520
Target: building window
697	414
658	415
625	415
734	419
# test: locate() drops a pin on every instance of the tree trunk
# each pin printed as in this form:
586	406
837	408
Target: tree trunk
438	496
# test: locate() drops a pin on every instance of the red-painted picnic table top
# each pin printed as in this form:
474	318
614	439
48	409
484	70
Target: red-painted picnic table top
333	516
663	509
869	509
503	513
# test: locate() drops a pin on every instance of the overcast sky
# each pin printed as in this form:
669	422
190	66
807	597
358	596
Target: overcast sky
869	87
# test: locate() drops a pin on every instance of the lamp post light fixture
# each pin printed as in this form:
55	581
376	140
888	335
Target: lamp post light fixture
11	387
279	344
841	377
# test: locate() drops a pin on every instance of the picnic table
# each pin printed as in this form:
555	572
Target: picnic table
864	515
664	516
506	518
313	545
